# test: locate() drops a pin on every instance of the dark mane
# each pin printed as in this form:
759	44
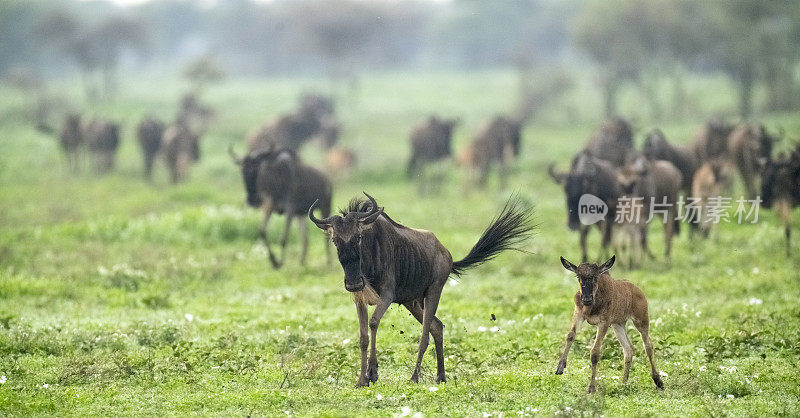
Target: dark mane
359	204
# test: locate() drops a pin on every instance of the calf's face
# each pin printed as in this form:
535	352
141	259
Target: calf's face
588	275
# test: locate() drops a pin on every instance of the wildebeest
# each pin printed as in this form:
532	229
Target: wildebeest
613	142
496	142
780	190
605	302
180	146
747	146
71	139
711	182
340	161
589	176
150	132
385	262
656	147
102	139
194	114
657	183
291	131
711	141
430	141
277	181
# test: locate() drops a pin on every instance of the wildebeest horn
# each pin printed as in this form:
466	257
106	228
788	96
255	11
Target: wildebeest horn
235	158
321	223
557	177
374	212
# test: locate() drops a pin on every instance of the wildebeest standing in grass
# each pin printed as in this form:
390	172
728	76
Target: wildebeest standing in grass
150	132
315	117
748	145
605	302
780	190
711	141
71	139
277	181
589	175
711	182
430	142
181	147
497	142
102	139
656	147
385	262
613	142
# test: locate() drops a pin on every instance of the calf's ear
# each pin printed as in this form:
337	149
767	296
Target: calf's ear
608	264
567	265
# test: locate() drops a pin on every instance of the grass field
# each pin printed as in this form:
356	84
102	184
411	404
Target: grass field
123	298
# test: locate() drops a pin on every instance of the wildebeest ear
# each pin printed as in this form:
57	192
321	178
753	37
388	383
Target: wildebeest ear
608	264
567	265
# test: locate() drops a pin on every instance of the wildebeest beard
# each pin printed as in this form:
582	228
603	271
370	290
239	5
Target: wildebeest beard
350	259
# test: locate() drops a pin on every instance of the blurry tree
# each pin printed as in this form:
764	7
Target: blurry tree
203	71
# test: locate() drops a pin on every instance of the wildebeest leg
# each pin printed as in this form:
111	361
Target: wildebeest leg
669	233
584	231
437	332
788	233
645	247
627	348
577	321
643	325
430	304
602	329
303	229
284	239
363	342
605	227
374	321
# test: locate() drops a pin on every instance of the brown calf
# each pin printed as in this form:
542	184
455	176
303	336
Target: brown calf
605	302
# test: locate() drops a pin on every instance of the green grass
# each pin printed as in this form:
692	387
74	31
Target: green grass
118	297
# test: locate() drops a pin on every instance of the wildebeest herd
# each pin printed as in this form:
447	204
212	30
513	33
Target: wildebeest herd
385	262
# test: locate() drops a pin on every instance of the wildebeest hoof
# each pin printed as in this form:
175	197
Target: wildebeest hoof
415	378
560	368
362	381
372	374
441	379
659	383
591	389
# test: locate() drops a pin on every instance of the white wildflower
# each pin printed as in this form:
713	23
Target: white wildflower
731	396
482	329
379	397
433	388
405	411
189	317
663	373
494	328
755	301
2	379
346	341
755	270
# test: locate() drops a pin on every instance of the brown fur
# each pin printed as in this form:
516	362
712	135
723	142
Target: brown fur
497	142
748	144
712	179
711	141
613	142
340	161
181	149
780	190
605	302
102	139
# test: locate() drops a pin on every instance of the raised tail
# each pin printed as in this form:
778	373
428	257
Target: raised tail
510	228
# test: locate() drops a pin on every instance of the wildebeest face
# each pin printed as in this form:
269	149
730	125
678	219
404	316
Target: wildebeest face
588	275
250	168
347	234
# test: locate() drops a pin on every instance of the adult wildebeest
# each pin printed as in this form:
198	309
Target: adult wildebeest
71	139
780	190
430	141
181	148
102	139
194	114
656	147
747	146
711	141
277	181
385	262
150	132
315	117
613	142
496	142
589	176
605	302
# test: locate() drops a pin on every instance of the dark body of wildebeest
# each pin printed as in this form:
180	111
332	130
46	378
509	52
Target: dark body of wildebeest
656	147
71	139
291	131
711	141
181	147
749	146
277	181
780	189
612	142
430	141
102	140
497	142
385	262
149	133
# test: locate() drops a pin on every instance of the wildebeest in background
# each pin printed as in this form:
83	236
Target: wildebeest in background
748	146
780	190
711	141
194	114
102	139
277	181
315	117
150	132
656	147
497	142
605	302
430	141
340	161
613	142
592	176
180	146
71	139
711	182
385	262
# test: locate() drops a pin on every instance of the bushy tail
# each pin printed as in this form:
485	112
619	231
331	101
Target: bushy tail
511	227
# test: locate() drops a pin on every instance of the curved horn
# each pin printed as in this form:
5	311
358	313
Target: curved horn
321	223
374	212
235	158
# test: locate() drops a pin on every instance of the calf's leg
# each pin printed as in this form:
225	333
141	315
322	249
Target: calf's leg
627	348
644	329
602	329
577	321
